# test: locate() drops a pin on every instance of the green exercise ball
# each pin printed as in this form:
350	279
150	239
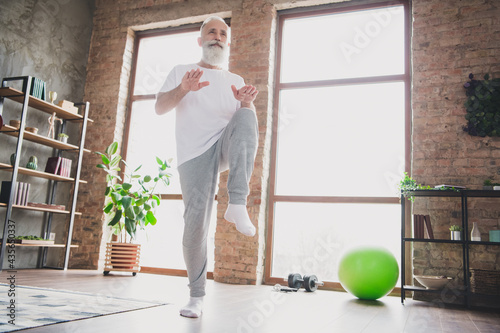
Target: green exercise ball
368	272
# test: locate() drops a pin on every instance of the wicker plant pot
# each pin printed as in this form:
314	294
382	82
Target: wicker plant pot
123	257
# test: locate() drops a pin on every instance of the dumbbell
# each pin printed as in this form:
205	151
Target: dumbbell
309	282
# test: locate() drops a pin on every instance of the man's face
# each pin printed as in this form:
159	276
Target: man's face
214	30
214	42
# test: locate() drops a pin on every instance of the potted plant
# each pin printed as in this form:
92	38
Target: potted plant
129	206
456	232
63	137
488	184
408	184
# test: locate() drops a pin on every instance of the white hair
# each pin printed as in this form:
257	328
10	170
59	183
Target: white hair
211	18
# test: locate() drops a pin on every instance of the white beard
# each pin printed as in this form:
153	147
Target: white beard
214	55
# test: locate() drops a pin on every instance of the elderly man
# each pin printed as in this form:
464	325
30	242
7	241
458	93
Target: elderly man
216	130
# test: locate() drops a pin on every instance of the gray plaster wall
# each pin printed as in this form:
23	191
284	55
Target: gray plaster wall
48	39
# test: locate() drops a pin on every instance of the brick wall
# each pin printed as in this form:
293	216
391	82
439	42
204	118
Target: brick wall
450	40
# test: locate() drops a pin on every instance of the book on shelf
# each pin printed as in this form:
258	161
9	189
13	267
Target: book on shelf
21	193
422	228
418	226
38	88
18	199
59	166
428	227
53	165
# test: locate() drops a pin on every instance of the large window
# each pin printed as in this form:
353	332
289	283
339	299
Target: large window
340	146
150	135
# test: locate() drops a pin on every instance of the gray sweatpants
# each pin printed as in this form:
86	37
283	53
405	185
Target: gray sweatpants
235	150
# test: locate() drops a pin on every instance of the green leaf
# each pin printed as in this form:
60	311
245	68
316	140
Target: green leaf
140	166
116	197
126	202
150	217
166	181
157	200
129	213
147	206
108	190
101	166
116	218
112	148
130	227
147	179
115	161
165	173
108	208
127	186
140	216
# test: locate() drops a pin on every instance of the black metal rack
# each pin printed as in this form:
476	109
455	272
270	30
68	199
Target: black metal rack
23	97
464	243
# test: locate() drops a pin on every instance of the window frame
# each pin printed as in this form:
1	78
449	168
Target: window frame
273	198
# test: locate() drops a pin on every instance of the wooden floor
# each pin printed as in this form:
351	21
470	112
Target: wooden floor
235	308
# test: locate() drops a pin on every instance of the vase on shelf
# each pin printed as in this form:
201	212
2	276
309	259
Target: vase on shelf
475	234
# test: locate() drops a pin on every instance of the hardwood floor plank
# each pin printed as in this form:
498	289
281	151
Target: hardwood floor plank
250	309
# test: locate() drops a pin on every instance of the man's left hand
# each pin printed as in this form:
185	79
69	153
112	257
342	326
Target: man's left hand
246	95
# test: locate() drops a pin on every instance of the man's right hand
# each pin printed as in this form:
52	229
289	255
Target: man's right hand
167	101
191	81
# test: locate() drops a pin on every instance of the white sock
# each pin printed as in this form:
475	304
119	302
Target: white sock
238	215
193	309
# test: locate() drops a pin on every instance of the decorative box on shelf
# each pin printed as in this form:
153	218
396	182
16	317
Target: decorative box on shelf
68	106
485	282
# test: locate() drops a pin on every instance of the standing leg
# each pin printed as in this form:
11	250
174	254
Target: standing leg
239	147
198	178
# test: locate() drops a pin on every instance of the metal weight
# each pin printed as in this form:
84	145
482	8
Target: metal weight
311	283
295	280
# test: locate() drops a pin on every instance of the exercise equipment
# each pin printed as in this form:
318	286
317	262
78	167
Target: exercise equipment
309	282
368	272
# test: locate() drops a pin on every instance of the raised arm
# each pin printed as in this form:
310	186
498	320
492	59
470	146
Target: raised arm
166	101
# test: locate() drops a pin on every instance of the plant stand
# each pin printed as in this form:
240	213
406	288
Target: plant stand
122	257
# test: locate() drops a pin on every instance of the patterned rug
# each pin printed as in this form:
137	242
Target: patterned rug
28	307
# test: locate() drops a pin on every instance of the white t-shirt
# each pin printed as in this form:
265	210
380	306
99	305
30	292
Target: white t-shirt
202	116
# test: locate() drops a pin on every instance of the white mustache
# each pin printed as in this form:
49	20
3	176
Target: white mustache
214	42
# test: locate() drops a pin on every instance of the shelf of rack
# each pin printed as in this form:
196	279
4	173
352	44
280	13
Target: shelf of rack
39	174
79	115
39	104
12	131
465	244
437	291
40	209
425	240
42	245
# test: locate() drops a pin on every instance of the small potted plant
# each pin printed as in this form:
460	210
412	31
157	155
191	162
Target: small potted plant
63	137
129	206
408	184
488	184
456	232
